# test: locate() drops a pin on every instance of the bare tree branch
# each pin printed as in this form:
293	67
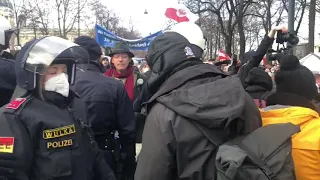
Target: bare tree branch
68	11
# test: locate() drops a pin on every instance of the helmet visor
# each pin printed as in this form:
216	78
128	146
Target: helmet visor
43	52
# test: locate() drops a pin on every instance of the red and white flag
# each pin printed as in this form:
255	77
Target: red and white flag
264	61
223	56
180	13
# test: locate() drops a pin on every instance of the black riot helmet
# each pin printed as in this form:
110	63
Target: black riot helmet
37	55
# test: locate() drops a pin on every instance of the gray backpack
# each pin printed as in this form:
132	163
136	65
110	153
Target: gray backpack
264	154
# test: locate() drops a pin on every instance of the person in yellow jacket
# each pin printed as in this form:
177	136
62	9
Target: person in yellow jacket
293	102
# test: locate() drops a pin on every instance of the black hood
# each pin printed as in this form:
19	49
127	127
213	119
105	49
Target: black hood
247	56
83	60
166	52
204	94
258	77
91	45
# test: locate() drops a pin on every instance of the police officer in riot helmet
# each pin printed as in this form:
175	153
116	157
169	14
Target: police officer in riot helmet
7	75
49	134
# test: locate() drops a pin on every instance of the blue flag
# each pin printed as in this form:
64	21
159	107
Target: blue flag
108	39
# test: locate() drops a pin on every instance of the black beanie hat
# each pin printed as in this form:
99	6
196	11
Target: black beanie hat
90	45
295	78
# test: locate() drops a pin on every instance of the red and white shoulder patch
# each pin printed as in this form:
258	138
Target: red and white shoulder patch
15	104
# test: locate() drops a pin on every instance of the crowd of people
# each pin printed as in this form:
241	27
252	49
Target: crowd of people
69	112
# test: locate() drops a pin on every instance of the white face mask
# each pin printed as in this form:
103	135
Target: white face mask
58	84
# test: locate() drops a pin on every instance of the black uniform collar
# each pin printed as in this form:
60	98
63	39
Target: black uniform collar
59	100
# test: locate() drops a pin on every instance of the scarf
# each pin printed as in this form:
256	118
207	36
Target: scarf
129	85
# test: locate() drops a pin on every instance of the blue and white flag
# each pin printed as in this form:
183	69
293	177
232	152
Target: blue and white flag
108	39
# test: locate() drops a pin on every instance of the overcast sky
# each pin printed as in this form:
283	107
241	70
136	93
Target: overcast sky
145	24
155	19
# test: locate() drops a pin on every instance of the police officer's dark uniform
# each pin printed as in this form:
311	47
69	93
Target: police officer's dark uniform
7	80
47	134
7	75
110	108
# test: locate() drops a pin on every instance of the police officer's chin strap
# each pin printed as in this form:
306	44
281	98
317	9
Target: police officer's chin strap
58	84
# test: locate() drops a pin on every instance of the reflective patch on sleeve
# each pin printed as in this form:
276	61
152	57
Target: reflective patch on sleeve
15	104
6	144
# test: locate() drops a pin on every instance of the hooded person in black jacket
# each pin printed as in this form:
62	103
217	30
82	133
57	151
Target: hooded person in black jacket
194	105
259	83
145	94
110	108
254	79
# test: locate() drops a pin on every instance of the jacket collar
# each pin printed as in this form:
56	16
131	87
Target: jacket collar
289	99
94	66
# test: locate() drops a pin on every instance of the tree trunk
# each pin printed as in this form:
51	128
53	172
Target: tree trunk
211	46
216	44
312	21
211	49
17	28
303	6
228	44
18	36
269	20
242	41
241	33
219	43
34	30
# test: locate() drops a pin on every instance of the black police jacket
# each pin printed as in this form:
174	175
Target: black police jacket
7	80
62	145
109	109
108	105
